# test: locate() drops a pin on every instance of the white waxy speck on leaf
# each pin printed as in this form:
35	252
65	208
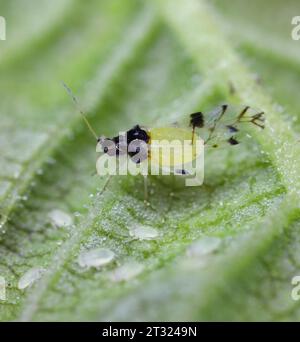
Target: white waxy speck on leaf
30	277
60	218
142	232
97	258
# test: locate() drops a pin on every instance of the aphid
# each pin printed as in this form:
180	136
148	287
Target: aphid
137	144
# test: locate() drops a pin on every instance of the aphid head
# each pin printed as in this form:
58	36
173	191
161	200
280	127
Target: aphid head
131	143
134	142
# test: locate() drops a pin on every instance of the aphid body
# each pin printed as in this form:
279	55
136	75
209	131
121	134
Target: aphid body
167	150
174	150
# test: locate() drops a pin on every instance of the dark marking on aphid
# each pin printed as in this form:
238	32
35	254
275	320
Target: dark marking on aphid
137	133
181	172
232	129
197	119
242	113
224	107
118	145
138	144
258	120
137	161
232	141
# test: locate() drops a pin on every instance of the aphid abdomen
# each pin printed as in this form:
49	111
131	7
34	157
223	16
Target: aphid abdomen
173	152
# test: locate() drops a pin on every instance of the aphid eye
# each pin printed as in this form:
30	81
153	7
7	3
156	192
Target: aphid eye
108	146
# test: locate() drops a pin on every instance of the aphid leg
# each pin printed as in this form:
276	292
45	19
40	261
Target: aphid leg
105	185
193	135
145	188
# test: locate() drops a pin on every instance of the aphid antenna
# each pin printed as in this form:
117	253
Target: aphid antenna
74	99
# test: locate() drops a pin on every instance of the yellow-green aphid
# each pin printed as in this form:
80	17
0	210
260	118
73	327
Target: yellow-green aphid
173	150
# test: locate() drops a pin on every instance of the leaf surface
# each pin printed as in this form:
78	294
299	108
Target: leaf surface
156	65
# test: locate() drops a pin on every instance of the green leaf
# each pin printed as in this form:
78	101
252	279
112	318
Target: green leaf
226	250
